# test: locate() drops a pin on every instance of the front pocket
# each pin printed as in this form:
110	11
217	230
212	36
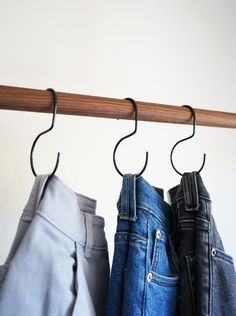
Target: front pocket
162	277
221	255
160	295
164	259
223	283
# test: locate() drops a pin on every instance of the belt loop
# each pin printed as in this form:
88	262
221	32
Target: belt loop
190	189
88	234
127	202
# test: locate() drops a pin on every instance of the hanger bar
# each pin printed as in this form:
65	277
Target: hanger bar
34	100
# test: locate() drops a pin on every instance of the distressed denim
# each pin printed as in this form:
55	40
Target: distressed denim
144	273
207	285
58	264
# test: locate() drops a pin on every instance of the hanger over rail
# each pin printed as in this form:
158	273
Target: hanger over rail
129	135
55	105
184	139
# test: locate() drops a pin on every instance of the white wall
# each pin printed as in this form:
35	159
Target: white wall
175	52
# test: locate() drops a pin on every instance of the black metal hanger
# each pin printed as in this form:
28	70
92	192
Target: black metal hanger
129	135
184	139
42	133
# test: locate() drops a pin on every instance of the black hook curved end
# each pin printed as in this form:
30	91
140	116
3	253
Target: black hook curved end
129	135
144	167
203	163
44	132
56	165
184	139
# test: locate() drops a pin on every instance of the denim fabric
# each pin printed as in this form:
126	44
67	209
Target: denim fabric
58	258
207	285
144	272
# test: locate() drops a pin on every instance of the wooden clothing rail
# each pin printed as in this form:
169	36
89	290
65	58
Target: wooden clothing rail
34	100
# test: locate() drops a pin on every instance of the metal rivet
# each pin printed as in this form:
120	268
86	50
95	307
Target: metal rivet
149	277
213	252
158	234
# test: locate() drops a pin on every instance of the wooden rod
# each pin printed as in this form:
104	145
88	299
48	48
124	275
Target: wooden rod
34	100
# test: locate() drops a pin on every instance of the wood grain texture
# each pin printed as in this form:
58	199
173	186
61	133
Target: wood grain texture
34	100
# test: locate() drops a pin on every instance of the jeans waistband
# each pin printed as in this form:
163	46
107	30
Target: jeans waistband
71	212
137	192
191	188
193	196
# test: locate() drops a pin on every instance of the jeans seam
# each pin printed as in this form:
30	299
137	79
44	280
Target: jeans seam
211	283
169	279
210	268
120	233
190	283
187	228
156	255
201	197
221	255
161	284
146	269
150	211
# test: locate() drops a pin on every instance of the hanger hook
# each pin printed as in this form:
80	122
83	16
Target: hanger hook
129	135
184	139
44	132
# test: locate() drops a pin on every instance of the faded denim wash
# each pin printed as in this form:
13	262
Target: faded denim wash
207	285
58	264
144	272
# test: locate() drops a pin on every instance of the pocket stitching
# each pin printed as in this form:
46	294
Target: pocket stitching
188	263
156	255
163	280
221	255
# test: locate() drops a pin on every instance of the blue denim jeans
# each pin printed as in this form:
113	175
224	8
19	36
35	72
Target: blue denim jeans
58	264
207	285
144	272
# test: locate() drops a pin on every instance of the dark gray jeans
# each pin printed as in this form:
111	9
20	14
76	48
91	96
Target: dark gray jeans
207	284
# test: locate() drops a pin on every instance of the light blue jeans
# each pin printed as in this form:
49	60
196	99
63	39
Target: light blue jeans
58	264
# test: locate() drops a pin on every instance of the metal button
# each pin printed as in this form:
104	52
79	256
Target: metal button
158	234
213	252
149	277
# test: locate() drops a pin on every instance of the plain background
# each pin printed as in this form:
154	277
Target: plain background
173	52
